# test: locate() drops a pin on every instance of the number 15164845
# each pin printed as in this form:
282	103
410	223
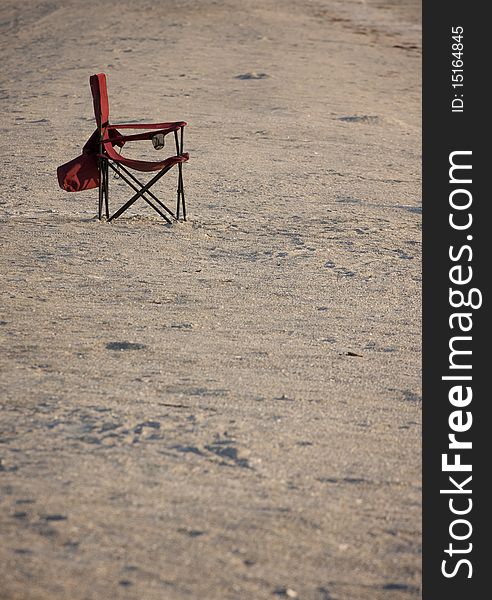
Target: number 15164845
457	75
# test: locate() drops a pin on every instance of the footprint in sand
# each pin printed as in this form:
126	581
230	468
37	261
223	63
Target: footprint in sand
124	346
252	75
366	119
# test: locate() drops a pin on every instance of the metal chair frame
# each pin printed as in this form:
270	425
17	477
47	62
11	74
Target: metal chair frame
105	162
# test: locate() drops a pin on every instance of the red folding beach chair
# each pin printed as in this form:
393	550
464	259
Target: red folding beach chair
91	169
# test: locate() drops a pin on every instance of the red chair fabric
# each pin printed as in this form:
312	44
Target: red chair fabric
81	173
100	99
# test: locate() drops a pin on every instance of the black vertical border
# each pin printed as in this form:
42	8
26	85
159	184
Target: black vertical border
444	132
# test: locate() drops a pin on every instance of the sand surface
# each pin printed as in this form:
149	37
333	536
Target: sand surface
227	408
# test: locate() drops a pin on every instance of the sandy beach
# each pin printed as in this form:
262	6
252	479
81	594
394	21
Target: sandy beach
227	408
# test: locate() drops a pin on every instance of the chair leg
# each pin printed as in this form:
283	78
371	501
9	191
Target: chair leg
181	176
106	169
181	191
178	197
101	184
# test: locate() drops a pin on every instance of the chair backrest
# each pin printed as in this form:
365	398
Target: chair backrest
100	99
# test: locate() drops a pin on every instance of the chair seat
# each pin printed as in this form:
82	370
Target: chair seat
141	165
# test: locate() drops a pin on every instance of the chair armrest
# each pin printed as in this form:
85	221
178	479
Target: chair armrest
155	128
145	135
174	126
